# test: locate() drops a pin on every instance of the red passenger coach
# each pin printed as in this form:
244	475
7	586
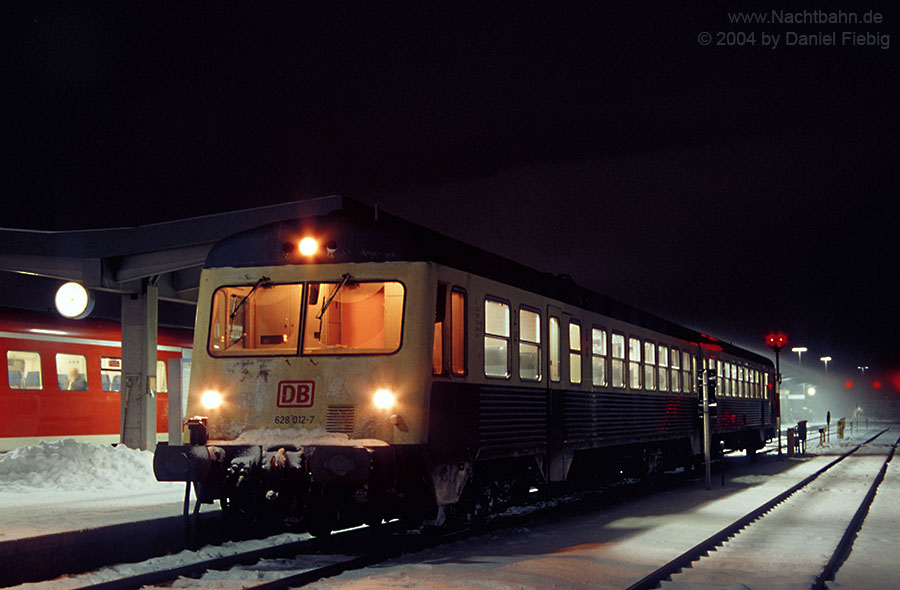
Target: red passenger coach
64	378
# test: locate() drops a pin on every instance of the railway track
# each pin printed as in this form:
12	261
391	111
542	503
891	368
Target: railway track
301	561
738	552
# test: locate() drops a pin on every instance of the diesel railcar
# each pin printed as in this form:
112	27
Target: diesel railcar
352	366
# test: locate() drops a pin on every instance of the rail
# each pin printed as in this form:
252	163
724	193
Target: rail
655	578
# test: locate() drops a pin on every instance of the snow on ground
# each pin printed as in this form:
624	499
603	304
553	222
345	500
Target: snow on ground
67	466
267	569
878	541
616	546
69	485
606	548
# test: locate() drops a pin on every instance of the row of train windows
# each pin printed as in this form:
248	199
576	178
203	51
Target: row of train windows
643	365
737	381
24	372
607	358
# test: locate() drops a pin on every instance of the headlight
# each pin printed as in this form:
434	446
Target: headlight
211	399
384	399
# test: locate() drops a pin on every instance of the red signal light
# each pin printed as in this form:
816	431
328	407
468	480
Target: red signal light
876	384
776	341
848	384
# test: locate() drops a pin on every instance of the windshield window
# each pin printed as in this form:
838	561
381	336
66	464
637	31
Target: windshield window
255	319
350	317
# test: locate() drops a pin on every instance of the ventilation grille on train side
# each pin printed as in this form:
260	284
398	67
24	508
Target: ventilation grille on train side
340	419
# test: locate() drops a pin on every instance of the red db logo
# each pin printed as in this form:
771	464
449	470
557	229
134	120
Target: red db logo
296	394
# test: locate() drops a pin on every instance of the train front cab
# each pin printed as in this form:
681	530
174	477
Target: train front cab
308	390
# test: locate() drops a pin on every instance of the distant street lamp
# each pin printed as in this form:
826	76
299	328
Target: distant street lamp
799	350
825	359
863	371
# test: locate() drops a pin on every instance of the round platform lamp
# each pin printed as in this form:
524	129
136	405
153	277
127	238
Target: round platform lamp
74	301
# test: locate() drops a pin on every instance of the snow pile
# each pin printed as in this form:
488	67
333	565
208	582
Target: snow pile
275	437
70	465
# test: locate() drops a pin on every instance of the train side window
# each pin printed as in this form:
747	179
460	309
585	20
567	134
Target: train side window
71	372
675	373
496	338
574	352
634	363
111	373
458	331
437	346
618	360
24	370
598	357
728	390
734	380
529	345
720	387
686	371
554	349
663	358
649	366
162	383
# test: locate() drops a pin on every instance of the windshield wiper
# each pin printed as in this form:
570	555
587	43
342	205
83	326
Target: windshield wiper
344	278
263	280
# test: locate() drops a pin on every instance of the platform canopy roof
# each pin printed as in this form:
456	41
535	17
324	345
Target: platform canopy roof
119	260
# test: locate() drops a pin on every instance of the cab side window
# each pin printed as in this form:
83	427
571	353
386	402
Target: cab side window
458	331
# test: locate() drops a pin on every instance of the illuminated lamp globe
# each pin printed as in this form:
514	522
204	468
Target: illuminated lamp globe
73	301
308	246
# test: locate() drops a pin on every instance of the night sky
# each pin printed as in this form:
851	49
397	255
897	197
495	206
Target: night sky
736	189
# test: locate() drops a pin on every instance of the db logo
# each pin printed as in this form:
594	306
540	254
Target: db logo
296	394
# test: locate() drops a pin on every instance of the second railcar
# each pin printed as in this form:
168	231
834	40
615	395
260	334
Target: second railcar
63	378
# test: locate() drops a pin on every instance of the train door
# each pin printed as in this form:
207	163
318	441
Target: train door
558	459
